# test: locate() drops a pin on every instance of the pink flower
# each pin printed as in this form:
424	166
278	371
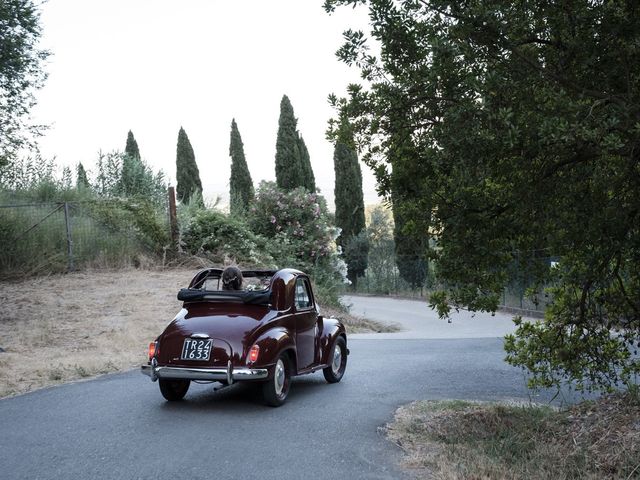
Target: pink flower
273	219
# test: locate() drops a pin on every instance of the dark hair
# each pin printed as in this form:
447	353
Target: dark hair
231	278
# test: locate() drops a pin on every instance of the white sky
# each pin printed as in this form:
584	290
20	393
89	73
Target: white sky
155	65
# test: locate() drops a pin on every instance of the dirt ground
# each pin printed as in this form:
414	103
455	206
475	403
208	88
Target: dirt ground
66	327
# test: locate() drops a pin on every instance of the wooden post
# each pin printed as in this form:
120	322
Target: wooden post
173	219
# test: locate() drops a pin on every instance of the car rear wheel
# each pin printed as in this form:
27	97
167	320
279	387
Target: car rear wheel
337	362
275	390
173	390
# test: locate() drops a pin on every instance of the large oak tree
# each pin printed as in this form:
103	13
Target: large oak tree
524	127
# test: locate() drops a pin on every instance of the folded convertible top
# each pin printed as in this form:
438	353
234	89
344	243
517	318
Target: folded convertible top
261	297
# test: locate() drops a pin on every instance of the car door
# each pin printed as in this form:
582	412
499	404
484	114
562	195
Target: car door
306	320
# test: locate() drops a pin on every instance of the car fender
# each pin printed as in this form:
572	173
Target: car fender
272	343
331	330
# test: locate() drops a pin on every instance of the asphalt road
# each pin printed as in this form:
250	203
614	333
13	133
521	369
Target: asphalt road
119	426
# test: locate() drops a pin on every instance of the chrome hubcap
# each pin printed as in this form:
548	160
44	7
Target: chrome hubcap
337	359
279	377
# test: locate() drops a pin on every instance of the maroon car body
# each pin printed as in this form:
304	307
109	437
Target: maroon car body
262	334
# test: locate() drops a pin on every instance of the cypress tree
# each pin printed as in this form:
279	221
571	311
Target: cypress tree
81	177
240	184
188	182
131	147
349	201
133	171
308	179
289	168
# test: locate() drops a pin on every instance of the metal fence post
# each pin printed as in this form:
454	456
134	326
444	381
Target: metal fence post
67	223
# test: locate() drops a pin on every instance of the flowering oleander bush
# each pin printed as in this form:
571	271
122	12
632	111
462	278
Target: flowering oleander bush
282	229
300	227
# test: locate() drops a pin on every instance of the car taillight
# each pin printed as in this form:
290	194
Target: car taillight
152	350
253	353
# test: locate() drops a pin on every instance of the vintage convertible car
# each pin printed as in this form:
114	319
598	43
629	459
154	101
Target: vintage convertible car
268	331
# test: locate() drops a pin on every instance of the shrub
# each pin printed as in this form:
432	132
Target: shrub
216	236
301	235
299	224
138	216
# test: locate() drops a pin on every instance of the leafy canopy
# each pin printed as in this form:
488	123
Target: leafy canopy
522	133
20	74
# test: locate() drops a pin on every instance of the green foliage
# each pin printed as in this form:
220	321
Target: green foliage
188	182
301	237
34	179
517	124
411	211
105	229
24	251
216	236
308	178
293	166
136	178
82	181
26	173
140	217
104	233
356	256
381	265
298	224
349	201
120	175
20	74
411	246
240	184
109	168
131	147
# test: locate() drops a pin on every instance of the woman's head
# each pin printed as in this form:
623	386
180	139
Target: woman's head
231	278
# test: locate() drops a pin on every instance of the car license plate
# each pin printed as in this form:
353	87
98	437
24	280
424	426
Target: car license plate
193	349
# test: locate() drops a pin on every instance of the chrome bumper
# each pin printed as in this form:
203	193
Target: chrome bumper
228	374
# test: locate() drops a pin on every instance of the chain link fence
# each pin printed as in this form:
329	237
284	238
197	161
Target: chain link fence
57	237
384	277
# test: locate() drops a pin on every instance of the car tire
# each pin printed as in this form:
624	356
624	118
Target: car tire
337	362
173	390
275	390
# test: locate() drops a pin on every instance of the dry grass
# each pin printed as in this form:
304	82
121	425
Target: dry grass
463	440
355	324
66	327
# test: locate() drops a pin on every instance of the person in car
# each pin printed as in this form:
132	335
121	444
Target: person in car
232	278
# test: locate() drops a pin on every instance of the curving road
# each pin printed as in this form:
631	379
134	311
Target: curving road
119	427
